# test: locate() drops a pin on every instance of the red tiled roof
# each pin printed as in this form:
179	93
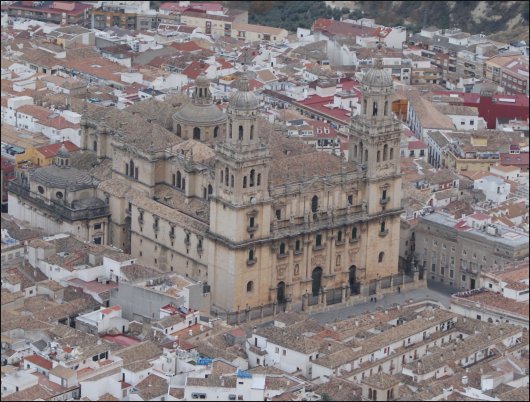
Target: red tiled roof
514	159
417	145
56	7
318	103
343	28
39	361
109	310
224	64
51	150
195	69
186	46
479	216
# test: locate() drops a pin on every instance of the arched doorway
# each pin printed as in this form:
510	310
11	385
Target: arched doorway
316	276
352	280
280	293
197	133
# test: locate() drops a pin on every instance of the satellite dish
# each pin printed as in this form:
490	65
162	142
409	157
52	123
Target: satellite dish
253	200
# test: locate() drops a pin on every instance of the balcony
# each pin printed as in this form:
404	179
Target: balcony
252	262
384	201
355	239
383	233
252	229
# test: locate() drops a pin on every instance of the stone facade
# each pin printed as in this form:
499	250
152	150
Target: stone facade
259	218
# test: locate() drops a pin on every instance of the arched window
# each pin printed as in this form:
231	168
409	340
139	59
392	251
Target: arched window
210	189
258	182
354	233
391	153
318	240
179	130
95	146
184	184
226	177
386	108
251	178
314	204
230	130
232	181
250	286
221	176
370	394
131	168
378	156
179	180
215	131
240	133
339	236
252	132
385	152
197	133
366	155
365	107
282	248
251	254
381	256
383	226
244	181
374	110
297	245
355	151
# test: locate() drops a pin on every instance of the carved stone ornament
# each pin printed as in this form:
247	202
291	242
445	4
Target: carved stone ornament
281	269
318	260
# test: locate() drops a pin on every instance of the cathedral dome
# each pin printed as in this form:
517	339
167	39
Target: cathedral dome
70	179
377	76
244	98
199	114
201	110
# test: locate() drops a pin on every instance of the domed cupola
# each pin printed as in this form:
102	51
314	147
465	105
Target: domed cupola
244	99
200	119
377	77
62	158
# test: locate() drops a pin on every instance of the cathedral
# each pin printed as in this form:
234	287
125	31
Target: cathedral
228	200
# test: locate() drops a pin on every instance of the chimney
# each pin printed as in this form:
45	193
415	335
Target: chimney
190	332
329	346
464	380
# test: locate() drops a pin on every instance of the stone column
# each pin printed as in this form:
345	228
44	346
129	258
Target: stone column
304	301
344	295
324	298
274	308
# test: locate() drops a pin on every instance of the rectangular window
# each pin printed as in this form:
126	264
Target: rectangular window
97	226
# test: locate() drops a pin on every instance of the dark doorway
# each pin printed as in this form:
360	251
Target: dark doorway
352	280
197	133
472	284
280	293
317	280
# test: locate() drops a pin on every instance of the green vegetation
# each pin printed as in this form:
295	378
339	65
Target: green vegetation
412	14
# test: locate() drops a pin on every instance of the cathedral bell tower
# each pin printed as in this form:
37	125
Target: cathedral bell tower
374	148
242	162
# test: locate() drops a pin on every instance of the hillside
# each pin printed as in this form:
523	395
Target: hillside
509	19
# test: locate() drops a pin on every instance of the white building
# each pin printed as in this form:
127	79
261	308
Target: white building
102	321
276	347
495	188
